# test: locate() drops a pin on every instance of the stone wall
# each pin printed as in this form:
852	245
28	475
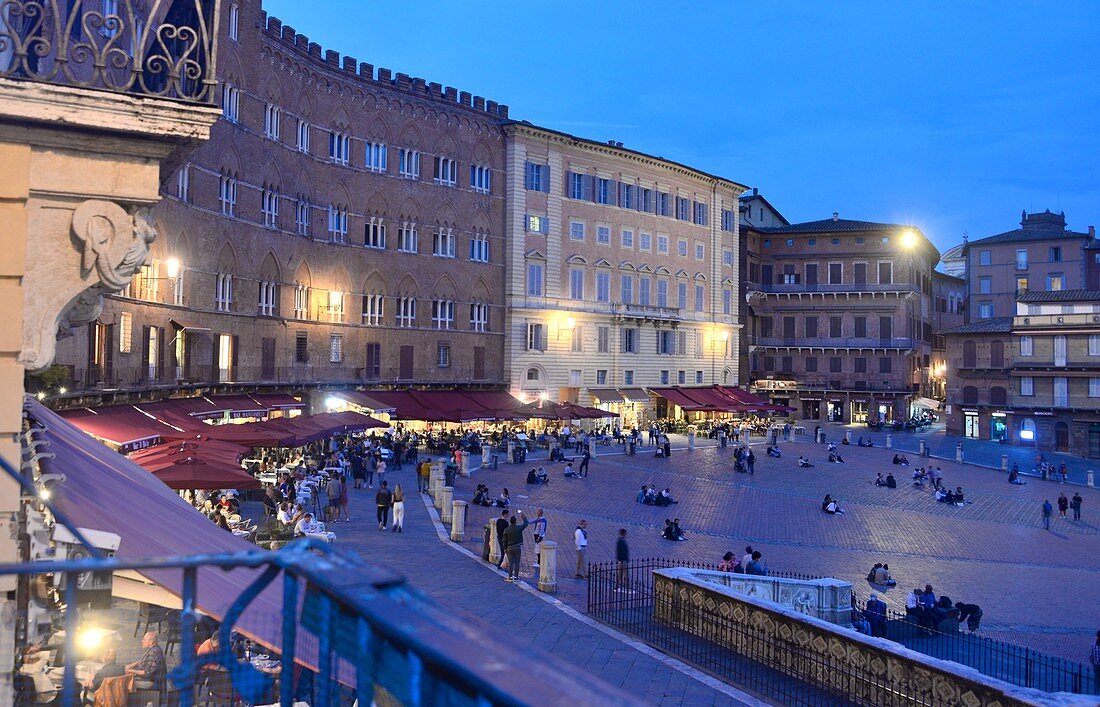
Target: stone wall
826	599
865	670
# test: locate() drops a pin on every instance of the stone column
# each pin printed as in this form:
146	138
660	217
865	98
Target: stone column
691	441
464	465
445	499
494	543
548	567
458	521
1004	462
511	451
435	480
923	448
1091	478
889	441
848	435
592	446
959	452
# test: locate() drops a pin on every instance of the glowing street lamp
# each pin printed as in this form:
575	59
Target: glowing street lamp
172	268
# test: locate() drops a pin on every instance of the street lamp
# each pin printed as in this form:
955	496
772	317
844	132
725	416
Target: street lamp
172	268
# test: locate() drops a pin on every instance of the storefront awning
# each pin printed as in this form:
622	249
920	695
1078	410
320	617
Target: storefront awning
927	403
364	400
237	405
123	425
606	395
634	395
278	401
182	326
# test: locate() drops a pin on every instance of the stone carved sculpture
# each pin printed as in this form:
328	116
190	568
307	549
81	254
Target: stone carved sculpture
110	245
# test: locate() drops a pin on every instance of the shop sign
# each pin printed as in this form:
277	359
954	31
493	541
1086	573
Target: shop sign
997	414
1038	413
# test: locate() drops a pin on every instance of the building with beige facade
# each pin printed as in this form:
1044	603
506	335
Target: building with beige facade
840	317
344	225
621	272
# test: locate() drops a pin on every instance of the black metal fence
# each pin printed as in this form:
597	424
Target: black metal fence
774	667
941	636
622	596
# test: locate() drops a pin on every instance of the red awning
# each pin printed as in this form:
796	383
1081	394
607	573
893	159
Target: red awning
278	401
198	469
123	425
678	397
364	400
238	405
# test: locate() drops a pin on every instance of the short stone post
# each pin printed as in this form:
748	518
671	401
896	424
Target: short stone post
548	567
1090	478
787	432
464	466
691	441
923	448
446	498
494	544
959	452
847	435
889	441
1004	462
435	481
592	446
458	521
511	451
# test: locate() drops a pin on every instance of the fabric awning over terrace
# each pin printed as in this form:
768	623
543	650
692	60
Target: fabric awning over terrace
123	425
453	405
278	401
716	398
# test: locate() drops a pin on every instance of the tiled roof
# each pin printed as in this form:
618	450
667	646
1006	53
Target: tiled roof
829	225
1059	296
993	325
1029	234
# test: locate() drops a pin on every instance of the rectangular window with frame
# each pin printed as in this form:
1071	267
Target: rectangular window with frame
603	286
603	190
576	283
628	340
601	376
335	348
537	224
1027	346
273	117
576	230
628	377
628	239
537	177
985	257
603	339
443	355
1021	259
643	291
125	332
536	336
644	240
1027	386
699	297
576	339
1094	387
626	289
534	279
603	235
682	248
1094	344
662	244
301	347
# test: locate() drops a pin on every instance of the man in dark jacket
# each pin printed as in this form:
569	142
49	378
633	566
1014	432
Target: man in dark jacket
876	615
502	525
383	499
513	545
622	559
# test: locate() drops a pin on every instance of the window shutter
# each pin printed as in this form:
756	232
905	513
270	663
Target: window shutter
528	176
544	225
567	184
590	187
109	351
91	344
188	341
145	348
162	343
545	170
214	358
235	356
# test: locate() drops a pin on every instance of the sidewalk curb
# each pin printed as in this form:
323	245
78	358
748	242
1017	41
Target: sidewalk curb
714	683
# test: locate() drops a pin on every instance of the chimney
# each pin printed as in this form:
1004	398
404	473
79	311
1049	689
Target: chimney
1092	231
755	191
836	216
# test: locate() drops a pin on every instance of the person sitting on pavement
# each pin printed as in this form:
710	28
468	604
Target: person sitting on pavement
756	566
503	500
537	476
871	574
844	440
831	448
774	452
880	480
959	500
904	460
919	476
672	530
830	506
891	482
665	498
971	613
944	496
804	463
569	473
643	494
651	496
481	496
882	576
1014	477
836	458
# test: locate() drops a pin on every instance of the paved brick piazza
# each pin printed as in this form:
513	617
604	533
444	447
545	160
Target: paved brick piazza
1038	588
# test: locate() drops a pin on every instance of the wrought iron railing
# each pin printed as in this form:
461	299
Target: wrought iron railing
161	48
346	631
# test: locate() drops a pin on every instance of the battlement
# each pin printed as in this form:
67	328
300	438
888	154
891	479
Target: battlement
274	28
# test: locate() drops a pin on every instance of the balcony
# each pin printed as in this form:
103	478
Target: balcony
849	288
1057	321
645	311
831	343
132	51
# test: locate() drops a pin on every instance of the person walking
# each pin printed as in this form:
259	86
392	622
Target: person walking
383	499
750	459
513	544
381	469
540	534
423	471
501	526
583	469
622	559
580	542
398	509
1075	504
343	500
369	466
332	491
1048	511
1094	658
1063	505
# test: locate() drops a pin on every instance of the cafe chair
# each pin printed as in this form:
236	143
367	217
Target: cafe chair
149	615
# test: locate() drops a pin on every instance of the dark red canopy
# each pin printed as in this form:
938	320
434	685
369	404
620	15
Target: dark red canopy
123	425
196	470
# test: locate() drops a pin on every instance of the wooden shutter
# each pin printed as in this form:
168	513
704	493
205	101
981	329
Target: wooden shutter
479	362
108	352
235	357
145	350
162	342
188	342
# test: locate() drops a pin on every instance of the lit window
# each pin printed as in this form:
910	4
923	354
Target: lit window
125	332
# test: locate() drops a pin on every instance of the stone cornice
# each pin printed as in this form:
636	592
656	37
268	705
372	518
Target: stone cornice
528	130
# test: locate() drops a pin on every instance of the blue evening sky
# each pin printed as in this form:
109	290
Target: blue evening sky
953	116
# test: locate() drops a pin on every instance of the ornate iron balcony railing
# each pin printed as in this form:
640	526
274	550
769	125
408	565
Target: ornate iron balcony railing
160	48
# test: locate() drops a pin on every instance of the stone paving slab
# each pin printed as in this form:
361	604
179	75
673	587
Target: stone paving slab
1036	587
526	620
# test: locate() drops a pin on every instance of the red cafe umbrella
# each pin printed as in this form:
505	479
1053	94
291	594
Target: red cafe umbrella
194	472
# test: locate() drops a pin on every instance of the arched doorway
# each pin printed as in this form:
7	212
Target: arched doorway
1061	437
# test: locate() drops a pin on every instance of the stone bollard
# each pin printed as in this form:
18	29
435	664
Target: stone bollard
1004	462
464	467
923	448
848	435
548	567
458	521
959	452
511	451
1089	476
446	498
494	543
691	441
889	441
787	434
592	446
435	480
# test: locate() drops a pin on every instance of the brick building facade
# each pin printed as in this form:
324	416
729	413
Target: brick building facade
344	224
840	317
